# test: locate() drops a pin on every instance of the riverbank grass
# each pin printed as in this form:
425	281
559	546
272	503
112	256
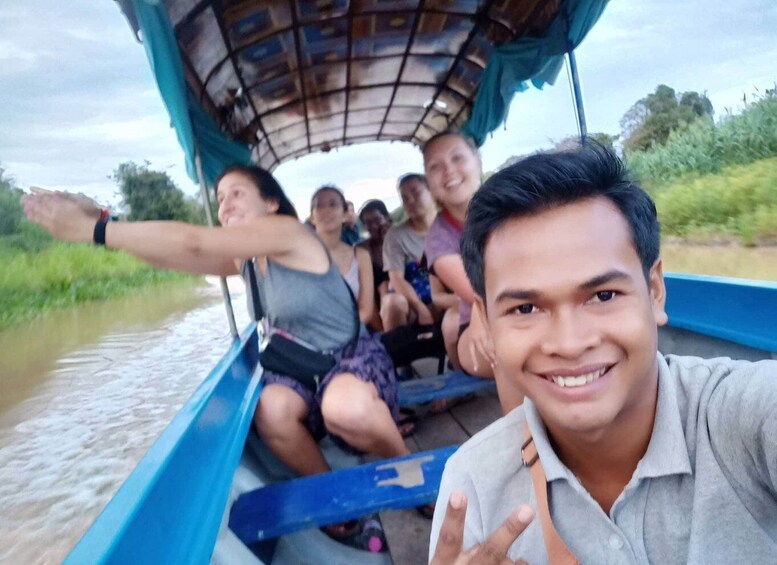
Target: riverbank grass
740	201
63	274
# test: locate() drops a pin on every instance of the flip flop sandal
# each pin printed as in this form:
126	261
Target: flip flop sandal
407	423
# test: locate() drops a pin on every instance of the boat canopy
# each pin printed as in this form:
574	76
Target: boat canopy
273	80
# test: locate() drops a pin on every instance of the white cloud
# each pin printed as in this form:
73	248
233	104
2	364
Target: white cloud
144	129
14	58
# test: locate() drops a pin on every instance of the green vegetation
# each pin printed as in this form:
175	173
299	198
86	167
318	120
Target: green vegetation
39	274
704	147
652	119
741	201
65	274
152	195
718	179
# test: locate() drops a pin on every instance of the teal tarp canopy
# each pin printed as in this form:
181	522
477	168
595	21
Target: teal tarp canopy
194	128
536	60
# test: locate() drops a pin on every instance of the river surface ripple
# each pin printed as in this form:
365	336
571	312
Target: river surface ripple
84	394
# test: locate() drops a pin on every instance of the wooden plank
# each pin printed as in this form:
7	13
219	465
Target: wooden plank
438	430
407	534
475	415
693	303
337	496
411	444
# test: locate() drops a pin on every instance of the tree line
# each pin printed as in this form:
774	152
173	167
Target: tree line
146	195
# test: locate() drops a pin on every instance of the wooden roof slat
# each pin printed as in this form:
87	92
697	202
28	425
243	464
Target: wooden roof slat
296	60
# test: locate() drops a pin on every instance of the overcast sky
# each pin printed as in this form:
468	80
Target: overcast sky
77	96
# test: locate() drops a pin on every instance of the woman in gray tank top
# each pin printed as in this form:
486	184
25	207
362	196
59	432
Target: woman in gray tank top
301	291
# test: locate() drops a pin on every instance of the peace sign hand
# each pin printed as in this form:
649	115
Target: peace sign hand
493	551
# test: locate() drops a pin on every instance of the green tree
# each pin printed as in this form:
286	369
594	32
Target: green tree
572	142
152	195
11	214
651	119
16	233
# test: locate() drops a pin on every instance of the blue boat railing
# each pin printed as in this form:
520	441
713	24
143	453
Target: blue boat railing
170	508
736	310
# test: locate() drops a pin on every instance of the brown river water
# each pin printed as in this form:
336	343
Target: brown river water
84	393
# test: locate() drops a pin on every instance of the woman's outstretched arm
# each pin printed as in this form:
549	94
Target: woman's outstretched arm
177	245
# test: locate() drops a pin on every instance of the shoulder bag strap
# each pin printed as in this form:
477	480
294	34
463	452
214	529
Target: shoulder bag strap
251	281
357	322
558	552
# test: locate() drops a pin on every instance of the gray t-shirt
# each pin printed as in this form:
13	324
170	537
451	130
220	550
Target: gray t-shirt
705	491
401	245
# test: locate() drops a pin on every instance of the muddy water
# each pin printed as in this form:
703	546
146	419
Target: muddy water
83	394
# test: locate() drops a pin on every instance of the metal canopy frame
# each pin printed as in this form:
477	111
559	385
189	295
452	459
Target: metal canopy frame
291	77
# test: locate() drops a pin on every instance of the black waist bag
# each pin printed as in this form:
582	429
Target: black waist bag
287	357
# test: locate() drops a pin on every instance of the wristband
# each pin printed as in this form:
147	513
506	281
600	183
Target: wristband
99	232
105	215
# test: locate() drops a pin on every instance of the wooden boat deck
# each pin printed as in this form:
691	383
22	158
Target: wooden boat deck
407	532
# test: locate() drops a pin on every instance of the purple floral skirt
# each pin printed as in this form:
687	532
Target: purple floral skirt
370	363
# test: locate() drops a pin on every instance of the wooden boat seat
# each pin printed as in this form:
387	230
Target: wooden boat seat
448	385
337	496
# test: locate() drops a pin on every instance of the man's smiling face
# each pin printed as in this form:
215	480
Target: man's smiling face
573	319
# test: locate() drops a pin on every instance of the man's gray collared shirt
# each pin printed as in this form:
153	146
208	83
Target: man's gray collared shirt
705	491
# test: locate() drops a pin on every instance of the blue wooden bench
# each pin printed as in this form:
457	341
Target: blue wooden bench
337	496
448	385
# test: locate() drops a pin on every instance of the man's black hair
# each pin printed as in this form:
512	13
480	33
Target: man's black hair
544	181
267	185
374	205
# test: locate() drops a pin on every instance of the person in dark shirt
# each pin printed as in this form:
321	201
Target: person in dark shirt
350	233
376	218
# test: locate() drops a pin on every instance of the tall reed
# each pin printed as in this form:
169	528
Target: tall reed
741	201
704	147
